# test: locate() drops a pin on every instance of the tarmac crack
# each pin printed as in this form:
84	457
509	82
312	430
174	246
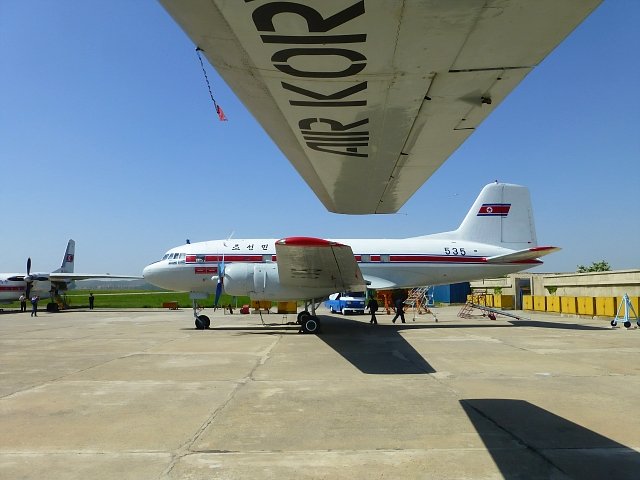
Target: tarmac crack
186	448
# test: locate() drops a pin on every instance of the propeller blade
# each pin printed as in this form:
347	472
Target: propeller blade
28	265
28	290
220	283
218	294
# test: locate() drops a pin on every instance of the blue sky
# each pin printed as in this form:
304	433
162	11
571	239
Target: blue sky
107	136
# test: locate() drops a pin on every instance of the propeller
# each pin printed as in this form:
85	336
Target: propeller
220	284
28	278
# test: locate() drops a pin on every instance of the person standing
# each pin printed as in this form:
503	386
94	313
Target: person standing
373	308
399	303
34	305
91	300
23	303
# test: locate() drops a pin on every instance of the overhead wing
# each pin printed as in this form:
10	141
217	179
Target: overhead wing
368	98
314	262
523	256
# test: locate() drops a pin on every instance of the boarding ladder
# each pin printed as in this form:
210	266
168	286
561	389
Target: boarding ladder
419	300
490	312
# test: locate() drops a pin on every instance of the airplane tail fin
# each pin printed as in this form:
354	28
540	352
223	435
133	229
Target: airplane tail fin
501	215
69	256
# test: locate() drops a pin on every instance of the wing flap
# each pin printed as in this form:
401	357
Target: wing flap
529	255
318	263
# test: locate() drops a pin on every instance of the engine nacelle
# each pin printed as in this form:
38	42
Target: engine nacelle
260	281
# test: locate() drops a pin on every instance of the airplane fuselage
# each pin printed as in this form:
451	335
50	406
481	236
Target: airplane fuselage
10	290
386	263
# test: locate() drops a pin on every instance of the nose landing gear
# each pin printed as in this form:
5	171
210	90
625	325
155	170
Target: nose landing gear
202	322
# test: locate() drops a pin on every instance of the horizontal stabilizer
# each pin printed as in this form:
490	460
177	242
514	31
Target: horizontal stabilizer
523	256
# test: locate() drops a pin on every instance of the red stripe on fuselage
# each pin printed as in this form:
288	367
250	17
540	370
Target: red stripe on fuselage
11	289
408	258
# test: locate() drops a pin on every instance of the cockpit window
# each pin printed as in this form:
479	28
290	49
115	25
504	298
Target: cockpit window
183	255
166	255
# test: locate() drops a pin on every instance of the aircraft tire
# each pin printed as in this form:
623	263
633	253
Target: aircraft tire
627	324
304	313
199	324
205	320
310	324
613	323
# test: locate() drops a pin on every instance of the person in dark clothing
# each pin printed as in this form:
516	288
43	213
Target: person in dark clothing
34	305
23	303
399	303
373	308
91	299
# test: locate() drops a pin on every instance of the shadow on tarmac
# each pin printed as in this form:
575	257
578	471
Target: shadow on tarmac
381	349
562	326
373	349
546	445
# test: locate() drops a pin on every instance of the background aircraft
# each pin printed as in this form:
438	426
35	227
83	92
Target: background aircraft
12	285
496	237
368	98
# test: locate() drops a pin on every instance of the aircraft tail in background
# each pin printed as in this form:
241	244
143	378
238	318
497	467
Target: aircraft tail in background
68	259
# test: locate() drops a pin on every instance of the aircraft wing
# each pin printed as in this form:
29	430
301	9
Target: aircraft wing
314	262
368	98
523	256
69	277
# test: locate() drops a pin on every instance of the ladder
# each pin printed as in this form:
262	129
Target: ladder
489	312
466	310
419	300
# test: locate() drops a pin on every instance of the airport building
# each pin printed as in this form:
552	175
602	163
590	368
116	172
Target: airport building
591	294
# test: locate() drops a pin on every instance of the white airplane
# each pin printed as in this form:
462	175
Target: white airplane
390	88
12	285
496	237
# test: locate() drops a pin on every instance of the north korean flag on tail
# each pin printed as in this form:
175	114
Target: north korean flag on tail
494	210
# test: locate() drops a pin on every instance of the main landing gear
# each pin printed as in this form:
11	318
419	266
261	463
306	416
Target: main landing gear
309	322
